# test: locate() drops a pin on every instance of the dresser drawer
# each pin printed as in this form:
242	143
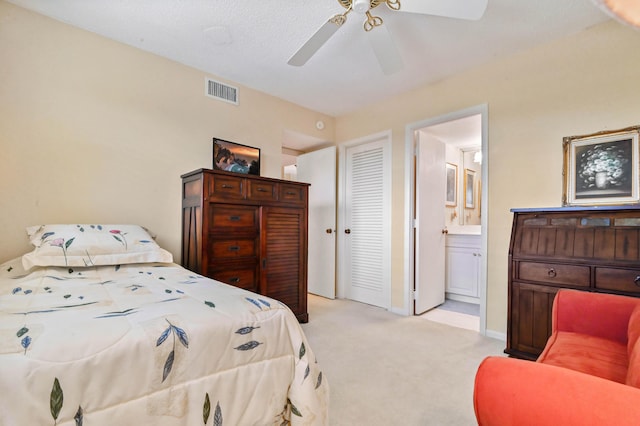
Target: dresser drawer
243	277
225	249
233	217
227	187
294	194
555	274
262	191
618	279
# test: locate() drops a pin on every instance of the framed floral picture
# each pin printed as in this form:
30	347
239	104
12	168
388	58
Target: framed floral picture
451	192
601	168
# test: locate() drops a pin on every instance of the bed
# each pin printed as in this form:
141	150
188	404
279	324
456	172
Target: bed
98	327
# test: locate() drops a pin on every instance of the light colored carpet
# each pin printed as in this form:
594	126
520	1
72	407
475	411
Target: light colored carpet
452	318
385	369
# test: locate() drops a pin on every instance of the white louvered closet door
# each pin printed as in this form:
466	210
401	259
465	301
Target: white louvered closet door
367	223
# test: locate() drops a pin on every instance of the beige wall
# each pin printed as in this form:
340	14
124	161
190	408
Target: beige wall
96	131
581	84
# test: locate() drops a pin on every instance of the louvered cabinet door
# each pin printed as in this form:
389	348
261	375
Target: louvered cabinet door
284	257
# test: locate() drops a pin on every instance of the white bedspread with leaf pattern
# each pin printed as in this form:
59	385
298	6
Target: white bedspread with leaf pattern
149	344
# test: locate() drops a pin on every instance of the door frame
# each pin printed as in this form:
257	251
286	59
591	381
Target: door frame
409	197
341	288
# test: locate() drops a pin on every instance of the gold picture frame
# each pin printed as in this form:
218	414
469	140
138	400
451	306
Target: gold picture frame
601	168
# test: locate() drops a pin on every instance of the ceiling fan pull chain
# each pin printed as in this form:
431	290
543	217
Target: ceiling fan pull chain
372	22
393	4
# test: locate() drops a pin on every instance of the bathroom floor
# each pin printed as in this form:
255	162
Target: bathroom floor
456	314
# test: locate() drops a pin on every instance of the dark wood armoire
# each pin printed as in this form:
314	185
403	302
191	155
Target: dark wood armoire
248	231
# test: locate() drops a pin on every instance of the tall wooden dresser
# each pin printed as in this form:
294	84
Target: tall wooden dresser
247	231
585	248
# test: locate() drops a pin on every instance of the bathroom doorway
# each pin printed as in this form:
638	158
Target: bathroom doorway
449	266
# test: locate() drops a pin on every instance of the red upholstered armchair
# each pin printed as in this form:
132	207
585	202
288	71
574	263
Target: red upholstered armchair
588	373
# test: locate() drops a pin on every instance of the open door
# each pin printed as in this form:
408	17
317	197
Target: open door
430	223
319	169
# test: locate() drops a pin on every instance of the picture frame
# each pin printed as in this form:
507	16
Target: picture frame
469	186
601	168
451	192
235	157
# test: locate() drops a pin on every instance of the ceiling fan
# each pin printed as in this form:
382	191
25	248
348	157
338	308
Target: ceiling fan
381	41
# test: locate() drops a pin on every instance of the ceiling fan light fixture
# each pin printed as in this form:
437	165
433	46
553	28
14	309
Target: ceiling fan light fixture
361	6
627	11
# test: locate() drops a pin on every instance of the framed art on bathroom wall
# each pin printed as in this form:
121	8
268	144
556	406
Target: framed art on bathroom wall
451	192
469	189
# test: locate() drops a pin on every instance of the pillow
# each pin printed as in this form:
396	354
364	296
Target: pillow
92	245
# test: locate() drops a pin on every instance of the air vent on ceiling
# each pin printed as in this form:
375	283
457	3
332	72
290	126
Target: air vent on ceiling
221	91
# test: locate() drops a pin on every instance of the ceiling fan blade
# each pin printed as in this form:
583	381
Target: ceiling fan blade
471	10
316	41
385	50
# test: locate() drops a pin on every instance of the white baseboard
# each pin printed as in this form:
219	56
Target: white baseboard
496	335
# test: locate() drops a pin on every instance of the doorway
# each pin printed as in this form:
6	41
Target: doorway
470	200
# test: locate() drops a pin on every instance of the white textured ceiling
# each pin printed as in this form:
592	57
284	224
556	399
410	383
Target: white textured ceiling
250	41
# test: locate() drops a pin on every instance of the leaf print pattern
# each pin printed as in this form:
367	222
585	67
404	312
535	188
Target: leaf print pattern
217	416
79	416
64	245
182	338
302	351
294	409
319	382
248	346
254	302
206	409
245	330
206	412
119	236
56	400
264	302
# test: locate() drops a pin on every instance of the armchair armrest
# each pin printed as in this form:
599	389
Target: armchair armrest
595	314
517	392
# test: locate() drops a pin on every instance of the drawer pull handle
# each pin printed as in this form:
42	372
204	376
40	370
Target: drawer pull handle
261	190
234	280
234	248
637	281
226	186
234	218
291	193
552	273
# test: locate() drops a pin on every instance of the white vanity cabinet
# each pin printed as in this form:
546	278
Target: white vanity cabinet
463	262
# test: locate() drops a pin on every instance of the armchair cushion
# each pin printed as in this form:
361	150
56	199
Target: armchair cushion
588	354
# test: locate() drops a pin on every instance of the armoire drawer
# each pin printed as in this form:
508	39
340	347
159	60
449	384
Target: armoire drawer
225	249
262	191
618	279
230	217
555	274
227	187
243	277
293	194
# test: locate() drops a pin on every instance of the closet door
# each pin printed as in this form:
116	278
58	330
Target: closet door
283	257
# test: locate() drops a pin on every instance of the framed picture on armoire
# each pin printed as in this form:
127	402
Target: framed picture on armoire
235	157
